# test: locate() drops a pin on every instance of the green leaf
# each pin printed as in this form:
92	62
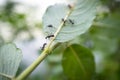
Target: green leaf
78	63
10	58
82	15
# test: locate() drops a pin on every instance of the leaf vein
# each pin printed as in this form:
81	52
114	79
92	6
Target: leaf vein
79	61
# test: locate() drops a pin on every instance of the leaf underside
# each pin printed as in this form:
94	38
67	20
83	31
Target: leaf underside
82	16
10	58
78	63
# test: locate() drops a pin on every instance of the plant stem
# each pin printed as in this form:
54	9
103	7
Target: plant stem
26	72
43	55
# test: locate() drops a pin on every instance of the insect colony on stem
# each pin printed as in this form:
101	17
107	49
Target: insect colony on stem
69	21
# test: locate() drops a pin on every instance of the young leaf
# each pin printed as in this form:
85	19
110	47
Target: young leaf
78	18
10	58
78	63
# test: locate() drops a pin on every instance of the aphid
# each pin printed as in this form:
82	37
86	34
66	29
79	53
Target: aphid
50	25
71	21
43	46
49	36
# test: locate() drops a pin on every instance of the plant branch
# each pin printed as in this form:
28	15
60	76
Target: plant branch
43	55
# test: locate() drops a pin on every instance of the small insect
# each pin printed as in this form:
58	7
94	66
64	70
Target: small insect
69	6
71	21
43	46
63	20
49	36
50	25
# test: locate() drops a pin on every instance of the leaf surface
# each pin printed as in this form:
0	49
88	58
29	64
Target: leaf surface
78	22
10	58
78	63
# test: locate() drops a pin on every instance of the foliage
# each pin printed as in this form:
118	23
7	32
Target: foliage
85	43
10	58
76	60
75	24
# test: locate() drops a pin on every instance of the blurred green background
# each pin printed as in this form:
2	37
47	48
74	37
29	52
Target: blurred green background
21	23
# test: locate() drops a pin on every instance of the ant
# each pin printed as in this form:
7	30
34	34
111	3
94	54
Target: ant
69	6
63	20
50	25
71	21
43	46
49	36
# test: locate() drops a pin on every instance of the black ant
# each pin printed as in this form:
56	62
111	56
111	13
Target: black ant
43	46
49	36
64	20
71	21
50	25
69	6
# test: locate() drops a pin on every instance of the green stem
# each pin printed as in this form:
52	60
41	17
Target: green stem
43	55
32	66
